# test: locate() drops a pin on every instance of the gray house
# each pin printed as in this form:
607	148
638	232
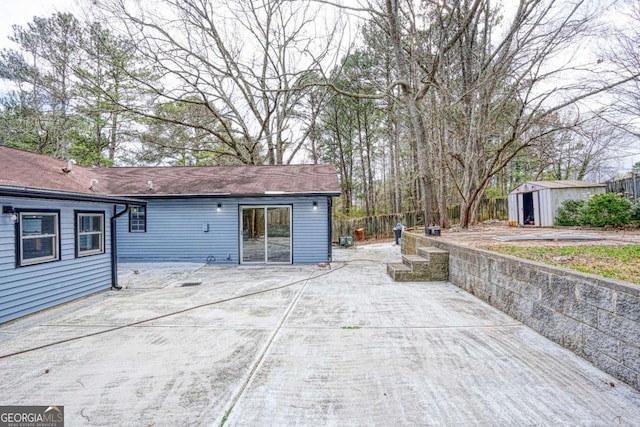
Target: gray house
226	214
61	224
56	234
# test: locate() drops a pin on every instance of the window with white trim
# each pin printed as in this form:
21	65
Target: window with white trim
138	219
38	237
89	233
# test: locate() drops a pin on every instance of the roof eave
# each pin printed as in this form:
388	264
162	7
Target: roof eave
232	195
40	193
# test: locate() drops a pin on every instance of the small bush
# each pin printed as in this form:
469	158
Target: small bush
635	212
569	212
606	210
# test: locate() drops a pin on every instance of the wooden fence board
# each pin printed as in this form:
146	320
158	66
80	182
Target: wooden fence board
381	226
628	187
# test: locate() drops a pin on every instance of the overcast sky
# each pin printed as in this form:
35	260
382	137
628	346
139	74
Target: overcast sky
22	12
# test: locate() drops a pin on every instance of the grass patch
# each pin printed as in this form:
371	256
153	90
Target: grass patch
225	417
615	262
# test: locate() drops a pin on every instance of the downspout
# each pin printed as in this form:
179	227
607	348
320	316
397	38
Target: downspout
330	225
114	246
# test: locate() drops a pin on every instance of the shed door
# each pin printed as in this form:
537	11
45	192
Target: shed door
529	208
266	235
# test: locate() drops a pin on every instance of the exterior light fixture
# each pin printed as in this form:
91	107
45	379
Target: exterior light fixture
315	205
219	208
9	210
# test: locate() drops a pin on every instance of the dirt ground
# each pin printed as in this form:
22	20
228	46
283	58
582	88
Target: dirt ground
485	234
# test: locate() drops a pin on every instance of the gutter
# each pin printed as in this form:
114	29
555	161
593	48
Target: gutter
11	191
114	246
149	196
330	227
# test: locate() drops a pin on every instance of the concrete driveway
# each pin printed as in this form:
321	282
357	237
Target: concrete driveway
298	345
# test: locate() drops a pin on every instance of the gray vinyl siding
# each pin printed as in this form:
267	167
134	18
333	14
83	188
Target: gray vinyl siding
25	290
174	230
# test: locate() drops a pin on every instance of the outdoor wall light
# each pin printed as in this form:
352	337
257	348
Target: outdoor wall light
9	210
219	208
315	205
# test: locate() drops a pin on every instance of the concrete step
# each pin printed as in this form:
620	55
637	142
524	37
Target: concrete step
399	272
438	262
416	263
429	264
432	254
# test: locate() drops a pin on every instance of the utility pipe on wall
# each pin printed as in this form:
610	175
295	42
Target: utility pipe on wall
114	246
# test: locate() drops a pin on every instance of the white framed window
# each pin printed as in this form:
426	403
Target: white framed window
138	219
38	237
89	233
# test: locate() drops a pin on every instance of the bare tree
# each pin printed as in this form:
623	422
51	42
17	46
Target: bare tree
624	54
501	92
247	62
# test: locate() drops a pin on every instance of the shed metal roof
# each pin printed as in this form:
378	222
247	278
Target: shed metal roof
566	184
531	185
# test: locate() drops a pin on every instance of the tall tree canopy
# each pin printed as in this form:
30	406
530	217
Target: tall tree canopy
419	104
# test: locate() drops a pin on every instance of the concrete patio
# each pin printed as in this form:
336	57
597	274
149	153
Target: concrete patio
298	345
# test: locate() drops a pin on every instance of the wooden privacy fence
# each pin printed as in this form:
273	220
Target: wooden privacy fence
376	226
628	187
382	225
496	208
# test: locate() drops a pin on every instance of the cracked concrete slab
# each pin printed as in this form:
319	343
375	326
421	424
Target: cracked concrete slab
338	346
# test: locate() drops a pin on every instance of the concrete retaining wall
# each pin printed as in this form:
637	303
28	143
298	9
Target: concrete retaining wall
596	318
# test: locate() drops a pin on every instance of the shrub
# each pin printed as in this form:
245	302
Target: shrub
635	212
606	209
569	212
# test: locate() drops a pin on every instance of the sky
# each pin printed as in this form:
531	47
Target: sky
22	12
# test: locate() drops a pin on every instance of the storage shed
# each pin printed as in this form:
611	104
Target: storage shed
536	203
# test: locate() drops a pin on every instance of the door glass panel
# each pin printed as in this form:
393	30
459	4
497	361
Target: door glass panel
253	237
278	234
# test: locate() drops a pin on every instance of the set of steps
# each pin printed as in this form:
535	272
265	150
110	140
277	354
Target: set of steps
429	264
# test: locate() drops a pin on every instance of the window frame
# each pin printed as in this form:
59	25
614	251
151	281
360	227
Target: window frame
131	218
78	233
19	238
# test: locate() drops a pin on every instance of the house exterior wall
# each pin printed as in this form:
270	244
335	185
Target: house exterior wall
25	290
175	230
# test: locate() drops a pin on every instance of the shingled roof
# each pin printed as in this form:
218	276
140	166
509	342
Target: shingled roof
23	169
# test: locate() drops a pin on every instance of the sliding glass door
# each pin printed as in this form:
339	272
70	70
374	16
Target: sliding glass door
266	234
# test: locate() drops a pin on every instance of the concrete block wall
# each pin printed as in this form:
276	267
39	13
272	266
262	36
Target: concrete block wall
596	318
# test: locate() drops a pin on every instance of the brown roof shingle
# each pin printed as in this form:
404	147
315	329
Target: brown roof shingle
23	169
